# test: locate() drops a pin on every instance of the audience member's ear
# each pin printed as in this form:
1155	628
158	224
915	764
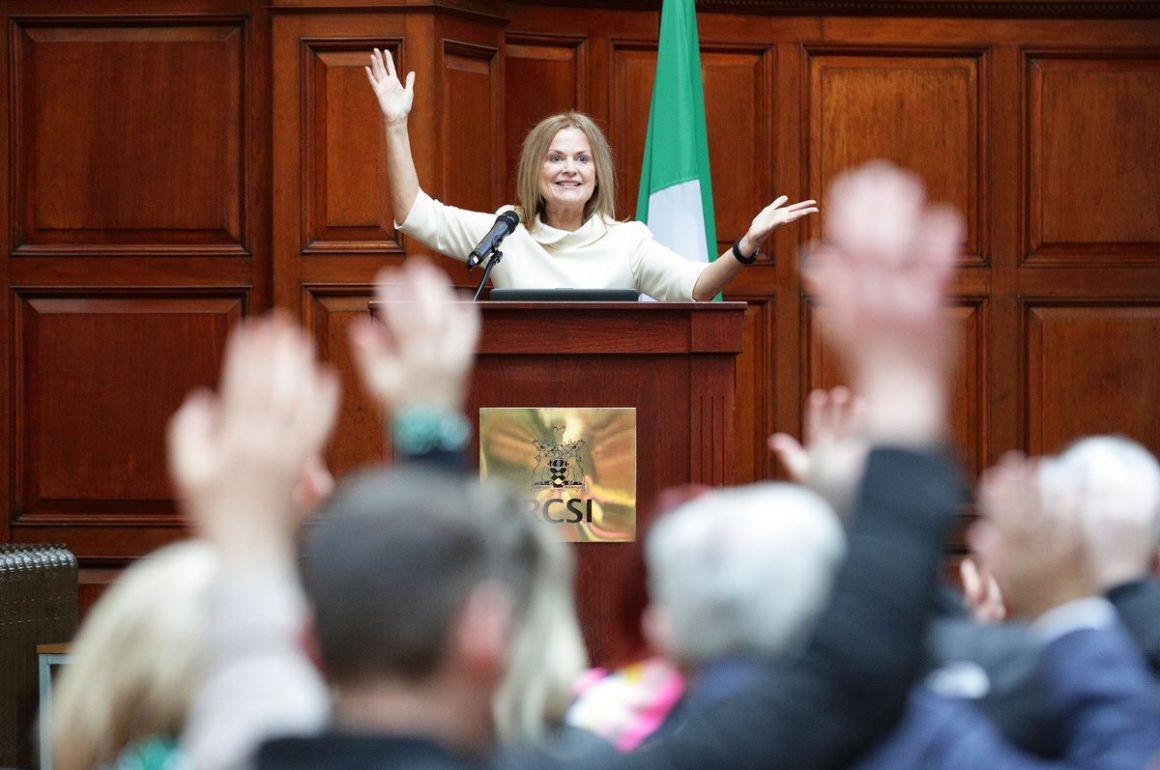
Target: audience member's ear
658	630
981	592
308	643
482	632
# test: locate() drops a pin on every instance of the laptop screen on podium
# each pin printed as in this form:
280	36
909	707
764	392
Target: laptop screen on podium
564	295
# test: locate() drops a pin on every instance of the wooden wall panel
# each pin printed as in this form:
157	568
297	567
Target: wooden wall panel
345	202
1093	152
968	407
358	435
923	110
633	68
754	397
1091	368
472	83
112	155
97	379
552	77
739	122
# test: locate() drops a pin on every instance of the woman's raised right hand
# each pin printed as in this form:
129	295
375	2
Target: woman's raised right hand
395	99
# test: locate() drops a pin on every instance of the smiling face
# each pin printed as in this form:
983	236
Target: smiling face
567	179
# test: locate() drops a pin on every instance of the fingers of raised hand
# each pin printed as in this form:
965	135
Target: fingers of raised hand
797	211
792	455
189	440
817	403
1009	494
873	211
277	404
315	412
375	355
426	343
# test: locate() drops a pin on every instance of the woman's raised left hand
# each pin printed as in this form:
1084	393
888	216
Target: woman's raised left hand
772	216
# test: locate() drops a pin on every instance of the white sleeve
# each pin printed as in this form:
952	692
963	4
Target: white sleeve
451	231
257	683
659	271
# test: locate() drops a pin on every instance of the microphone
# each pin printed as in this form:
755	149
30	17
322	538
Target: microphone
505	223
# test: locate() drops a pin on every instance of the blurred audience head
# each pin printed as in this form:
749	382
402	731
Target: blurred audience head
743	571
421	580
1113	485
135	663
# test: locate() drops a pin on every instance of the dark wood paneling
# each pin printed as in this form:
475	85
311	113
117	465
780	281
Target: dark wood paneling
471	84
922	110
967	413
97	379
634	67
739	121
1093	152
1091	368
344	185
358	436
552	77
755	396
128	136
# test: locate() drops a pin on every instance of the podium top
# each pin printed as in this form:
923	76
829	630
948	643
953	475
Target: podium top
634	328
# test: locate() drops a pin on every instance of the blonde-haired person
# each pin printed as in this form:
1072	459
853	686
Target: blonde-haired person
123	698
568	236
546	655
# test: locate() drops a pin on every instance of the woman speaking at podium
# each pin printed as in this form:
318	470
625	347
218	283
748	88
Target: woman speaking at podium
566	235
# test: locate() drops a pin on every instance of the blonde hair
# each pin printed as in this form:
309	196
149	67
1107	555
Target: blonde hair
529	202
546	655
134	665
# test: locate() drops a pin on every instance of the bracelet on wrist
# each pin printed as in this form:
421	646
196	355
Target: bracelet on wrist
743	259
417	430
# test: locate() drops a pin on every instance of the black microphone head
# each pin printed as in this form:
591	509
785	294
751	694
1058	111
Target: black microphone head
511	218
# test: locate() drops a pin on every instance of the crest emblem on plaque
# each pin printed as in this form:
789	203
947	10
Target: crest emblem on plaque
558	464
576	466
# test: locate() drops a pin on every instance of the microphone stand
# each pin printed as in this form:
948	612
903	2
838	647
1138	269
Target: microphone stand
493	259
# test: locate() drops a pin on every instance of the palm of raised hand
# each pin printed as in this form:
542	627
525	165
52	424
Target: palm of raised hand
778	213
395	99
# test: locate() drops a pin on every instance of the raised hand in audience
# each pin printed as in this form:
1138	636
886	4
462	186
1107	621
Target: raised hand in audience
881	275
416	360
421	348
237	457
832	459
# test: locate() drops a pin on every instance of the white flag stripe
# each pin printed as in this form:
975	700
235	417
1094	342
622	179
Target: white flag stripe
677	219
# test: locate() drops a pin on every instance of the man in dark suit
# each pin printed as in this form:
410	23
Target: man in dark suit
1096	689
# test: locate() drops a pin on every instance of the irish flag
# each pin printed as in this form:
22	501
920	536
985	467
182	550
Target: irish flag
676	196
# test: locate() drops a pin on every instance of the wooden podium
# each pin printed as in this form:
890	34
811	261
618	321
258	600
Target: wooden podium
673	362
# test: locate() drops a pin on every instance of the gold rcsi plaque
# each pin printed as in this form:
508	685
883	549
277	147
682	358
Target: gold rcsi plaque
576	467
